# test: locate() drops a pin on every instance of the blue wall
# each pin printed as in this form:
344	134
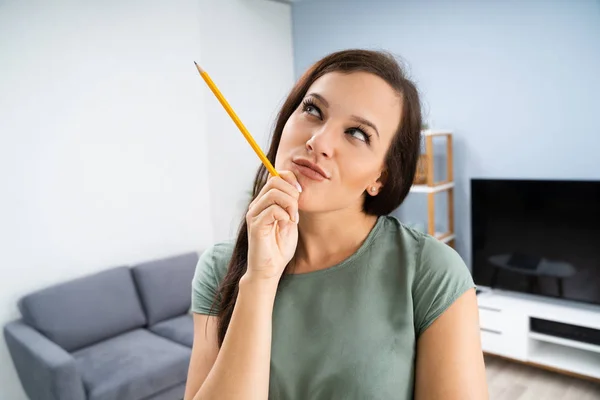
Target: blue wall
517	81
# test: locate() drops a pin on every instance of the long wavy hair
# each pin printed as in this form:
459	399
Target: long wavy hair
400	162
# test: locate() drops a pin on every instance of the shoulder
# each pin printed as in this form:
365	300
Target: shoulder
426	252
213	261
438	273
403	234
218	253
438	257
210	271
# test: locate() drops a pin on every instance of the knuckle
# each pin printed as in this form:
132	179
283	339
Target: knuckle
271	193
287	176
275	180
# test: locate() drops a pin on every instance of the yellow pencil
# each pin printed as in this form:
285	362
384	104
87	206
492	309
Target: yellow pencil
237	121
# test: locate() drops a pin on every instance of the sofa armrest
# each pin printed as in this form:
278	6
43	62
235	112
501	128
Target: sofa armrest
46	370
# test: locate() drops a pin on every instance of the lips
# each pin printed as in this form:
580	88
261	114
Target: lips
310	169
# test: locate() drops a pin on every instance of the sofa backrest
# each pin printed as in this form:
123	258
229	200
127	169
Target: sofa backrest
86	310
165	286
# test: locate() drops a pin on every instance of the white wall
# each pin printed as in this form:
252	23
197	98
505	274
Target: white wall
107	131
247	50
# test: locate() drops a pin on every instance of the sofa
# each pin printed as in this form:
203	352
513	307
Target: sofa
124	333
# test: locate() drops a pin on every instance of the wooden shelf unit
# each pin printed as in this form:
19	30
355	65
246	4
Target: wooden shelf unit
432	187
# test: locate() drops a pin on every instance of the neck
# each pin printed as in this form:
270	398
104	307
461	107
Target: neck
326	239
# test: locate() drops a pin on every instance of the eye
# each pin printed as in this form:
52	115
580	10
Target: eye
313	110
359	134
310	108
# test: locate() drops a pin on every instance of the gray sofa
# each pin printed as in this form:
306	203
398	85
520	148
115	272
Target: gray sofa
123	333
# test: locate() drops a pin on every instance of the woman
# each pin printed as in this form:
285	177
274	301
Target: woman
322	295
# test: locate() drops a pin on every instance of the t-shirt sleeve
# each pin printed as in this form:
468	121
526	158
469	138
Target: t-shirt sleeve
441	277
210	271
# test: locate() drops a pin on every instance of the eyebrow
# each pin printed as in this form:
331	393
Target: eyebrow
320	98
356	118
363	121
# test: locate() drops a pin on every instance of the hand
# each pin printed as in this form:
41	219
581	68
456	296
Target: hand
272	220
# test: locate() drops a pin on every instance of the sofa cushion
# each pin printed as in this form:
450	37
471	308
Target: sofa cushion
132	366
174	393
86	310
178	329
165	286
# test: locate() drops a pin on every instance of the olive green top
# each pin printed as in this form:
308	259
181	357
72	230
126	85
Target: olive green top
349	331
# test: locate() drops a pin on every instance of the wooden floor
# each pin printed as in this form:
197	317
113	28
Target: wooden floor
508	380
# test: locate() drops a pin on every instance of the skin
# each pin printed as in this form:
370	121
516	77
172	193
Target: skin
326	133
317	227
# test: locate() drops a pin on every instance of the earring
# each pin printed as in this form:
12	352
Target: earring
373	189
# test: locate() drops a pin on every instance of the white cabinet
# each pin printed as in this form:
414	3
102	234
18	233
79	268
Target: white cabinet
504	319
491	319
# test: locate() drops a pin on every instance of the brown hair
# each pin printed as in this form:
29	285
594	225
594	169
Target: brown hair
400	162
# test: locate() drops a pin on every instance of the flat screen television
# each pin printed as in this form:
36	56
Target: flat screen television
537	236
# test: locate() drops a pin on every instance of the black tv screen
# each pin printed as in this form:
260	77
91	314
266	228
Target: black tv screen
537	236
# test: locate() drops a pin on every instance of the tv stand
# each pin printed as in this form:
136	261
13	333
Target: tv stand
554	334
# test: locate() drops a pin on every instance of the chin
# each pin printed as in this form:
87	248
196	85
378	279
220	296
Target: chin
306	204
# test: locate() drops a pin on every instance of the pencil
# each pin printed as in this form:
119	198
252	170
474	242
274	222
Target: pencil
237	121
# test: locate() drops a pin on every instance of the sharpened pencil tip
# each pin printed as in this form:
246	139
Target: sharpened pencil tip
198	67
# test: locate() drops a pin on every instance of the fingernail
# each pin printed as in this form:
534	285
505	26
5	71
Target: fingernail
298	187
297	217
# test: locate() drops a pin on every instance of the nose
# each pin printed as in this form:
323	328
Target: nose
323	141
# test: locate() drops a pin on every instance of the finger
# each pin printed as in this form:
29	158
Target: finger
270	215
275	196
286	182
291	178
278	182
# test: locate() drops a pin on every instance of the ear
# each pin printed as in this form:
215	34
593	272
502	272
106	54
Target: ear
374	188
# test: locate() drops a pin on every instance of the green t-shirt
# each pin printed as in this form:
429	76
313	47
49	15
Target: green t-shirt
349	331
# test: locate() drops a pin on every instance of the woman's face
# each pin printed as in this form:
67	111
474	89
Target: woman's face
343	127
